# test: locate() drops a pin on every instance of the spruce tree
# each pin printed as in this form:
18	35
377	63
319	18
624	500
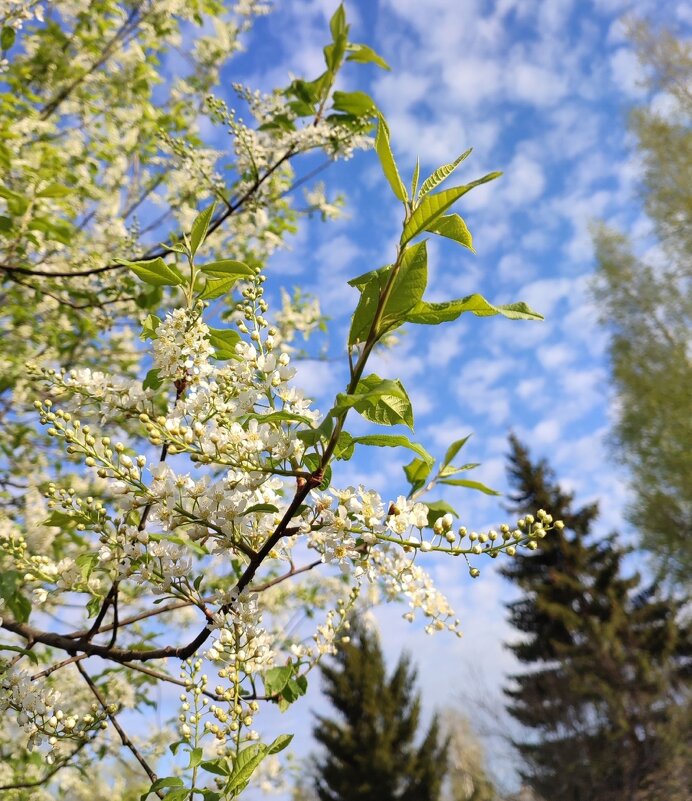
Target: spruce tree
370	751
605	656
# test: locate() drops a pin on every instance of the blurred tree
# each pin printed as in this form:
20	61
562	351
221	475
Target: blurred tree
645	304
467	778
606	659
370	752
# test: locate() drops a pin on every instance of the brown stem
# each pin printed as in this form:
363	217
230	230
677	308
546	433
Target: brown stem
126	741
63	763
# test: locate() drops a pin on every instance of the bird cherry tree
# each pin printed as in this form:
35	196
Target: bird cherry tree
170	497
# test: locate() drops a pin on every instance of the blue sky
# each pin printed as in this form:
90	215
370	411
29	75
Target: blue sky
540	89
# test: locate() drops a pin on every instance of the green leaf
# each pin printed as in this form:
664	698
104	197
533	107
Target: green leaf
379	400
215	289
200	227
414	180
7	38
160	784
433	313
441	173
438	509
454	448
408	286
417	472
54	190
264	508
180	794
279	743
153	271
227	268
364	314
33	658
476	485
344	446
195	758
224	340
86	562
218	767
433	206
406	291
61	520
453	227
276	678
384	152
357	103
395	441
337	24
451	470
362	54
152	379
151	323
244	766
295	689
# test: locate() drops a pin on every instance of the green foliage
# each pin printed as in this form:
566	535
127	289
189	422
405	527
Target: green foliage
604	656
370	752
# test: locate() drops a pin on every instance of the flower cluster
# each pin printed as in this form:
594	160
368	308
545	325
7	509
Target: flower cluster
182	348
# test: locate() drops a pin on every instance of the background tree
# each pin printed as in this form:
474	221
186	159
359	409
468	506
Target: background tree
370	751
606	658
645	303
467	776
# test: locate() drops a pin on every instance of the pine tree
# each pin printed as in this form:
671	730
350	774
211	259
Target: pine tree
370	751
606	657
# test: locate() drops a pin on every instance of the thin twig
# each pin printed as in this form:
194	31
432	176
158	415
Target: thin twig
126	741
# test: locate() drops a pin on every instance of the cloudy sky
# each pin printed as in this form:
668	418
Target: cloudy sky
540	89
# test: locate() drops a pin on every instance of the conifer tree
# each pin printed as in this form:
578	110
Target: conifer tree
370	751
605	656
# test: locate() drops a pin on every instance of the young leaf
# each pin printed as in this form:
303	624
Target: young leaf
357	103
153	271
454	448
408	287
54	190
200	227
244	766
227	268
463	482
378	400
281	742
195	758
417	472
152	380
453	227
151	323
433	206
365	311
384	152
276	678
215	289
441	173
337	24
425	313
414	180
395	441
7	37
438	509
363	54
223	341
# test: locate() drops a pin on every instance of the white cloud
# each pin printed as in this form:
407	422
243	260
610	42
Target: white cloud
627	72
536	85
524	181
